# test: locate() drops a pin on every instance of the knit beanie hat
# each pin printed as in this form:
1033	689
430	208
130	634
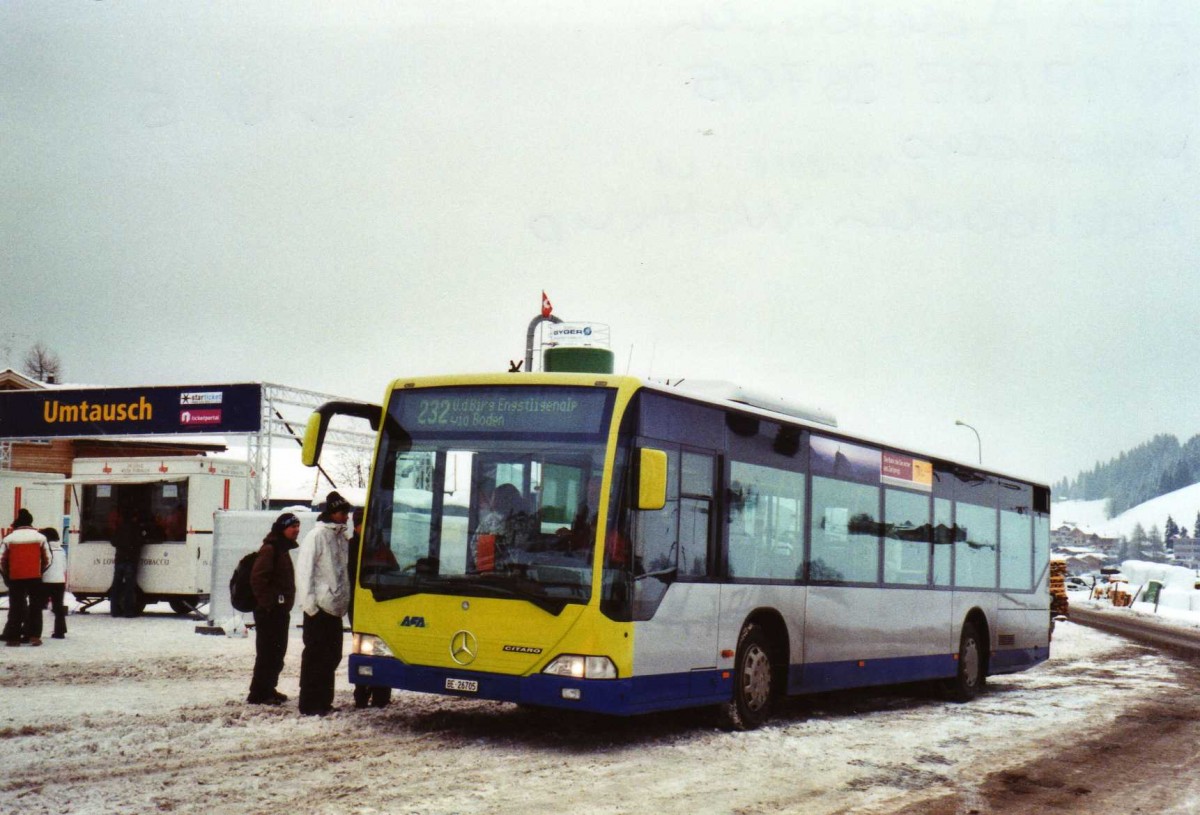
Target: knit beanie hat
23	518
283	522
334	502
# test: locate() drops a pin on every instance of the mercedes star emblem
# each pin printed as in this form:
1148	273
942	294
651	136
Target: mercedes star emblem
463	647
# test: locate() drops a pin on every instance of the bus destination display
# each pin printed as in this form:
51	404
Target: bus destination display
454	411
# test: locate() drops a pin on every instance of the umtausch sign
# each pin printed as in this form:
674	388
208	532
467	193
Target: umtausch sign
131	411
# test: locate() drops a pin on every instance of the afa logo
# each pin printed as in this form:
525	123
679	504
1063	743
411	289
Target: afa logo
413	622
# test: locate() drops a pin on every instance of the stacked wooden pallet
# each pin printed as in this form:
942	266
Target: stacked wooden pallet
1058	587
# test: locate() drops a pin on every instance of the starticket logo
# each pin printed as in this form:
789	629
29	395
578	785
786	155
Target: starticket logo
201	398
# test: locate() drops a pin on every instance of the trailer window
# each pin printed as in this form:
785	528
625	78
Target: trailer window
161	505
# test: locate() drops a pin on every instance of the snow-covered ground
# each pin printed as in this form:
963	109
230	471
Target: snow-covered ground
144	715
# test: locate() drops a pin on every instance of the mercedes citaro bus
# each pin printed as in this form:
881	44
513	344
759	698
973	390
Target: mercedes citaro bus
609	544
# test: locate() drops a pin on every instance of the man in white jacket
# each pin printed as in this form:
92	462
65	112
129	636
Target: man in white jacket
323	593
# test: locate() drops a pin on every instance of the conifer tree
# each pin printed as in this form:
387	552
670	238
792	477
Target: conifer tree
1137	543
1155	550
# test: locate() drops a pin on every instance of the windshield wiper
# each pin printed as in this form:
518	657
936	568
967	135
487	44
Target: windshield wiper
516	586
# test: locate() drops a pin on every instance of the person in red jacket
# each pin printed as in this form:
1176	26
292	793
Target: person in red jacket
273	580
24	555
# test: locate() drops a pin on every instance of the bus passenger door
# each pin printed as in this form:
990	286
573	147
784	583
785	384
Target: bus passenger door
676	602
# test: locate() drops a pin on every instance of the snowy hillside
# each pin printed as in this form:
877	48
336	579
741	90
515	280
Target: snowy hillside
1182	505
1084	514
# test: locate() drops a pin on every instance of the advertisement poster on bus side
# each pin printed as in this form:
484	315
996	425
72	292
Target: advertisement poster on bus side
841	459
905	471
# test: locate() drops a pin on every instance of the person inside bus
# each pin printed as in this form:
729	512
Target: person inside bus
505	527
579	536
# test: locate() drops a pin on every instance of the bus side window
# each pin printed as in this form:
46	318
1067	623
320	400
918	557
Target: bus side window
695	513
766	519
1016	536
976	537
907	535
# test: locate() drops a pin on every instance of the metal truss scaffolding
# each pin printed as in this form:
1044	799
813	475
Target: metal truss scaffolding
285	413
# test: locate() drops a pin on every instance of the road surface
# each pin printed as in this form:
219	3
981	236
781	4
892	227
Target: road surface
144	716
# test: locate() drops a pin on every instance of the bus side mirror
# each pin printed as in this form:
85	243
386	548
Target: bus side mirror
652	479
318	423
314	439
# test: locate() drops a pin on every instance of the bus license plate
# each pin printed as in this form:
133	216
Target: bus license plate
468	685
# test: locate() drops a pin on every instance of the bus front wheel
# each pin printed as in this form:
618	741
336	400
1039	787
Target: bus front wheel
753	688
969	679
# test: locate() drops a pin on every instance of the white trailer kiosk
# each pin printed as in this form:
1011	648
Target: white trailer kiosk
40	493
177	498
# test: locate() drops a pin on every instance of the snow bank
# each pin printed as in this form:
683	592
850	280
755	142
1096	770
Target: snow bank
1178	583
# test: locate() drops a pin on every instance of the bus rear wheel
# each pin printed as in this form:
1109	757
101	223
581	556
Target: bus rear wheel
753	683
968	681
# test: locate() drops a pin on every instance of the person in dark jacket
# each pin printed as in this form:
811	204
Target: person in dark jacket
128	541
374	695
273	580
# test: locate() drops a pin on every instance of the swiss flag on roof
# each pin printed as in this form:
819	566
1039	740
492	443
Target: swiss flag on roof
546	307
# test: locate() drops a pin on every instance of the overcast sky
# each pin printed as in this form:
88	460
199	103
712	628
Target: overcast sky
907	217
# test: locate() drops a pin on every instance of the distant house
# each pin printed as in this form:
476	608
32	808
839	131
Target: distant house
1187	552
1073	536
1081	562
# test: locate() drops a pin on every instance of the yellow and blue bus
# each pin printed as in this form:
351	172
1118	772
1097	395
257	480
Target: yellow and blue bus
608	544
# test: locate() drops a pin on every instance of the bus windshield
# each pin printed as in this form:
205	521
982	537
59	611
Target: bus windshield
488	492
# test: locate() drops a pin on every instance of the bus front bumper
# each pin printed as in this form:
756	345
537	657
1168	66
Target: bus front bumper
620	697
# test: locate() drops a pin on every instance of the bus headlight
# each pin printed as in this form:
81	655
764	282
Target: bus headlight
579	666
369	645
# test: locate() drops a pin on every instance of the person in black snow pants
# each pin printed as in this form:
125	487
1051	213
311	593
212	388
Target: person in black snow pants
24	557
273	580
323	591
374	695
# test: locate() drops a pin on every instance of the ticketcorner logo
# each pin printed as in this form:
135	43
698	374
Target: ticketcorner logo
200	416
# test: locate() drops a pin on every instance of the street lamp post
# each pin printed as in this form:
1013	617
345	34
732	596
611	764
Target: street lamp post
978	443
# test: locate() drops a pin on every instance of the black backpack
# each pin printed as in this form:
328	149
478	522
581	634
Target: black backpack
241	594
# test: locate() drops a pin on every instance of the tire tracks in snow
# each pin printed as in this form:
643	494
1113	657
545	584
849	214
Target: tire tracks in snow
320	748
